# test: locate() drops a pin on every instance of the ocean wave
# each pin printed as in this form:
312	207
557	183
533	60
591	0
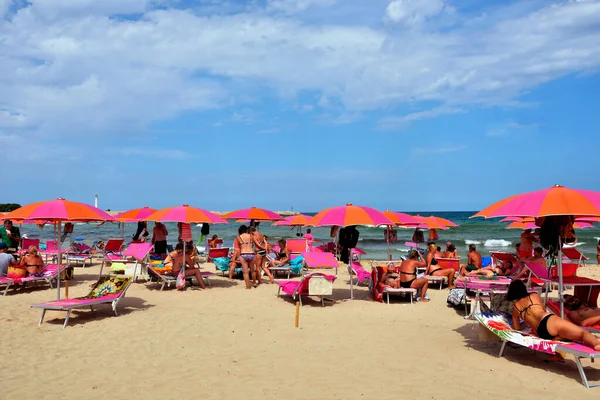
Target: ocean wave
576	244
472	241
497	243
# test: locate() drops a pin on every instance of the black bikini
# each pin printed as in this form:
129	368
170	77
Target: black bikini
407	284
542	329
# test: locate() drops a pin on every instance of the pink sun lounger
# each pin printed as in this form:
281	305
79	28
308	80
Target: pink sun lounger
49	274
501	326
107	290
303	287
362	275
322	260
574	255
137	253
6	283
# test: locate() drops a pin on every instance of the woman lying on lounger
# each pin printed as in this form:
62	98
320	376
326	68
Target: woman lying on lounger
434	269
504	269
175	260
530	308
408	275
32	261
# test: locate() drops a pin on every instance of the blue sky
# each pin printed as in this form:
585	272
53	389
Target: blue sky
396	104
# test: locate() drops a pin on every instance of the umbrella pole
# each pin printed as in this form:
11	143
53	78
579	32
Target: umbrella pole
560	280
123	229
350	270
59	257
184	261
387	239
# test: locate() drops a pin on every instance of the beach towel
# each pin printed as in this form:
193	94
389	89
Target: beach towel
296	264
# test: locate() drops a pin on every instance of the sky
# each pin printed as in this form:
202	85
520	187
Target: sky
433	105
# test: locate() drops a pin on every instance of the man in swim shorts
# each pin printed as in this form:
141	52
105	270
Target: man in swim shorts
473	260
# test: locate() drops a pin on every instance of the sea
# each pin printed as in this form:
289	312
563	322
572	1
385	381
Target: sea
487	234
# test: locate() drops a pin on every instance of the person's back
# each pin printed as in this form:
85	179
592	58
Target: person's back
6	260
159	232
527	239
474	261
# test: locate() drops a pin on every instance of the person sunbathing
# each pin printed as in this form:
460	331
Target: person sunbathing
580	313
530	308
32	261
503	269
434	270
175	261
407	269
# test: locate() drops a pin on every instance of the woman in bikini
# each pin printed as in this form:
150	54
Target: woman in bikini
283	257
246	245
175	261
530	308
260	260
434	269
408	275
32	261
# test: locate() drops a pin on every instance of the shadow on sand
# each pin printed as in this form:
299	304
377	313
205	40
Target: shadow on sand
525	357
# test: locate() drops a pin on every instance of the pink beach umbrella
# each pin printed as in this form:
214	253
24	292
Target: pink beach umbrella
294	220
254	213
554	201
349	215
59	211
186	214
135	215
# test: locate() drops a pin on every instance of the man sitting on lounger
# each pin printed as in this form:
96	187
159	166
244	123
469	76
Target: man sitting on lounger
473	261
580	313
537	258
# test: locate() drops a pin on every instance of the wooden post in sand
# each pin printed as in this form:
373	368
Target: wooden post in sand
297	313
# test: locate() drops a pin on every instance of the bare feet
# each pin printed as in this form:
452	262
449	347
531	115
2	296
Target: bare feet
424	301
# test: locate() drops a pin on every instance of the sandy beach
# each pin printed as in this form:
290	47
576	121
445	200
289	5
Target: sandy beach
228	342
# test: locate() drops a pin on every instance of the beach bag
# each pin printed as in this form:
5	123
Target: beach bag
456	297
180	282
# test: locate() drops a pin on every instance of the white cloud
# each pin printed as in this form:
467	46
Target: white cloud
402	121
62	8
4	7
294	6
511	127
414	12
67	69
438	150
149	153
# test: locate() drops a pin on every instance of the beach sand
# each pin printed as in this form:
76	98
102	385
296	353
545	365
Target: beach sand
228	342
